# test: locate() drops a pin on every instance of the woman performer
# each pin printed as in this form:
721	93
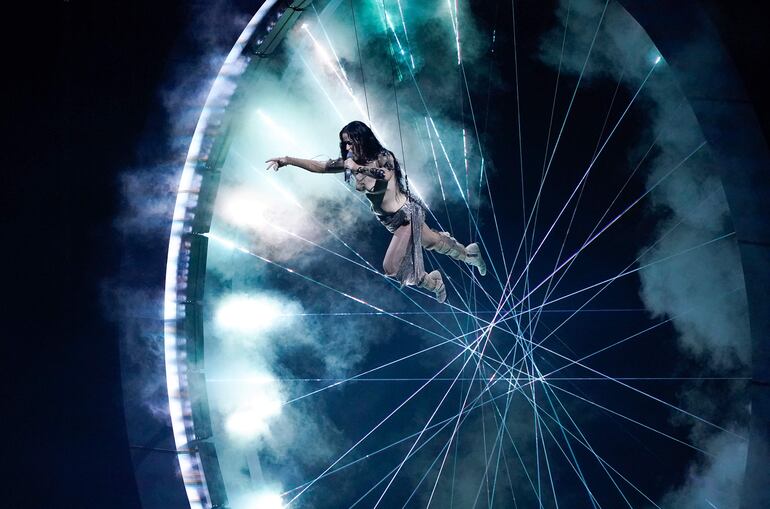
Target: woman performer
379	176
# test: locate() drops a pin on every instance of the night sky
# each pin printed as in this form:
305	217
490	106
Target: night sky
90	106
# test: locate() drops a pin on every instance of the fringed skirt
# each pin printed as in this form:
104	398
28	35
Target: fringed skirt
411	268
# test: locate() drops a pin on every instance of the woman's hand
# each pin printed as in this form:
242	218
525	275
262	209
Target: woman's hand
277	162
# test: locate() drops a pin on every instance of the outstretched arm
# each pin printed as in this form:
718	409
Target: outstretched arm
311	165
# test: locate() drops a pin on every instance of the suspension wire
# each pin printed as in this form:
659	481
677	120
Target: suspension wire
398	115
427	111
360	61
395	95
398	118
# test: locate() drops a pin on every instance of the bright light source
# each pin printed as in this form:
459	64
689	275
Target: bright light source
252	417
269	501
245	209
657	59
251	422
245	313
260	500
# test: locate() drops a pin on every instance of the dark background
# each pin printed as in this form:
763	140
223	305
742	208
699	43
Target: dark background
86	80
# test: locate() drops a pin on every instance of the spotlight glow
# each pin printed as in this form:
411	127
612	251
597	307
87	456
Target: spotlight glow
250	314
246	209
261	500
252	422
269	501
256	409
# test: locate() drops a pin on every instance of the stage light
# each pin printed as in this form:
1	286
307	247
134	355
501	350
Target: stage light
259	500
251	422
269	501
245	313
245	209
259	405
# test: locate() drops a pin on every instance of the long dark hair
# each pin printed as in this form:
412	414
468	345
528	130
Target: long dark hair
369	148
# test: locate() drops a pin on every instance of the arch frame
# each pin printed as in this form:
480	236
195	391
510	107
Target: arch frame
690	42
683	33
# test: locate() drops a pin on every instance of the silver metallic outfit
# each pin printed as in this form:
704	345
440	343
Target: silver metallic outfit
412	269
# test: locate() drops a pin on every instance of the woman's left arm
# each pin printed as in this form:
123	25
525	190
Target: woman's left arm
383	171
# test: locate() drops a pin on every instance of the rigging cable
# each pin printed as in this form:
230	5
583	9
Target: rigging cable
360	61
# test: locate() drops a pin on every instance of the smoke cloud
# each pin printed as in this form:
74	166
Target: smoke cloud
702	290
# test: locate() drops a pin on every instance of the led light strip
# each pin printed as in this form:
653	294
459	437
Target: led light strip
178	263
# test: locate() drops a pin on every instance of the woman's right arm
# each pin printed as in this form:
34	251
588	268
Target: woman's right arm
311	165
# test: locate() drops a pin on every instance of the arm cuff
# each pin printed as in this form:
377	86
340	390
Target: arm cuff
335	164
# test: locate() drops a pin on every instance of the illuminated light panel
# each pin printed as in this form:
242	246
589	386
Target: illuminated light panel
263	498
254	409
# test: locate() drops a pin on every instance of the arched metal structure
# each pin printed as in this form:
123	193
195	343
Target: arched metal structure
186	264
677	29
690	42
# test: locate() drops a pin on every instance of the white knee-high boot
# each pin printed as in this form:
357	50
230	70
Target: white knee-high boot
434	283
471	254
